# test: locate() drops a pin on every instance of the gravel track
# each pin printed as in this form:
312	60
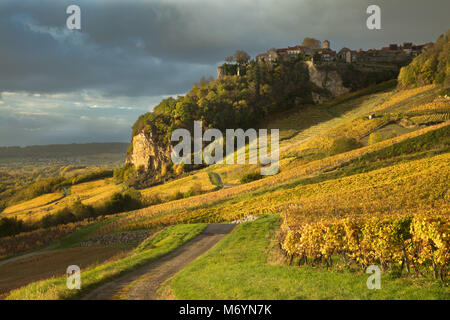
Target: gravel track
143	283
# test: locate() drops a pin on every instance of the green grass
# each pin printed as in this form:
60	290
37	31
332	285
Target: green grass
151	249
238	268
215	179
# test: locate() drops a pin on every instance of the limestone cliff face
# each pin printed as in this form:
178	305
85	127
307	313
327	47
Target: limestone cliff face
329	80
148	152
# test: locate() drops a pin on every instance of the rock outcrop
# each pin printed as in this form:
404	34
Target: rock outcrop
148	152
326	79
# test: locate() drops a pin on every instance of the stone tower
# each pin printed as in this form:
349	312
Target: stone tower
220	72
326	44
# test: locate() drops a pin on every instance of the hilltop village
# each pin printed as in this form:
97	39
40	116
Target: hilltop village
394	54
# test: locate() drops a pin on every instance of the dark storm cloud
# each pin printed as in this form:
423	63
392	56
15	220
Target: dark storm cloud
160	47
42	57
131	53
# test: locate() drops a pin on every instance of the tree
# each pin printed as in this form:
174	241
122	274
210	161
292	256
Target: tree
241	57
229	59
311	43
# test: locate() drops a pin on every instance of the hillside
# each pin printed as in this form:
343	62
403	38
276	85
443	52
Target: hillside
27	172
245	100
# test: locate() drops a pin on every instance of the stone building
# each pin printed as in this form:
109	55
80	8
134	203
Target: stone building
220	72
347	55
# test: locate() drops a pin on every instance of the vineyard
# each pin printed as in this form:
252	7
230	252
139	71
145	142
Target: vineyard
431	118
423	183
418	241
439	105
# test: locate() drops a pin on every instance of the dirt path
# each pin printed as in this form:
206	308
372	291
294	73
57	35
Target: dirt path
143	283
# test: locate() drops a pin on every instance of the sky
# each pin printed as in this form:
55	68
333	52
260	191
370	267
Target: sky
90	85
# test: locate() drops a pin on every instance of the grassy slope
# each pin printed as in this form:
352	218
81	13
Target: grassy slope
297	127
242	266
151	249
90	193
168	189
244	197
307	124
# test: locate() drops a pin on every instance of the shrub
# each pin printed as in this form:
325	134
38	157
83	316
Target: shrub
77	212
344	144
130	200
81	211
176	196
152	200
10	226
194	190
125	173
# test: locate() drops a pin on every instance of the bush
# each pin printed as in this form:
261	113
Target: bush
10	226
196	189
249	177
81	211
152	200
344	144
77	212
176	196
128	201
125	173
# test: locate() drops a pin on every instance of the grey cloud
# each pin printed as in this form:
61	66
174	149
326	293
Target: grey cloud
133	52
160	47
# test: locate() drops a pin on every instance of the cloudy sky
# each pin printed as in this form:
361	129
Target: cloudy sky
65	86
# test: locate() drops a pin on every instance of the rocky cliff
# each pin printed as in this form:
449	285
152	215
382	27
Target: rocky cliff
148	152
